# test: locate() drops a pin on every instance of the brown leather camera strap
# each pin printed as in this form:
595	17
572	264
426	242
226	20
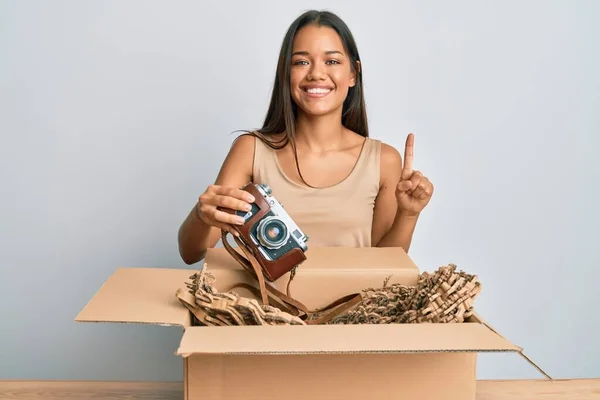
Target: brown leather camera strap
272	296
253	267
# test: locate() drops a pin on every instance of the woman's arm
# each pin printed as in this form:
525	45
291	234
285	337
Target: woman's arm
391	227
401	231
402	196
195	236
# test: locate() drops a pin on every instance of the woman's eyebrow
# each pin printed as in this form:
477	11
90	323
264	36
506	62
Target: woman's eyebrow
305	53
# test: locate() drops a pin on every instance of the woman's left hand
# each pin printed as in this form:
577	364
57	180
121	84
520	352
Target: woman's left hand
414	190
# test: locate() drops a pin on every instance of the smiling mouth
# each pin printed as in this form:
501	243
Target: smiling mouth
317	92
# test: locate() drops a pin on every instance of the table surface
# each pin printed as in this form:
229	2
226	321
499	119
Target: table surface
577	389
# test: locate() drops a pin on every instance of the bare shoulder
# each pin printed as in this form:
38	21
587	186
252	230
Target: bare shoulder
237	167
391	164
243	143
247	141
242	150
390	156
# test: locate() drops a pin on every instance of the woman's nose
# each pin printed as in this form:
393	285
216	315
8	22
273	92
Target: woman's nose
317	71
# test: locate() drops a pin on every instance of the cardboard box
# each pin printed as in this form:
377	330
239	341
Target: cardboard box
326	275
412	361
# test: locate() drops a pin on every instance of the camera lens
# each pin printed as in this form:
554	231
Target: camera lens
272	233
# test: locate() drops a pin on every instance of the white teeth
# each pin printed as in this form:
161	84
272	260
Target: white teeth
318	90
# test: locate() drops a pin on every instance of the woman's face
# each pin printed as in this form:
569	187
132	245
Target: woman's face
321	73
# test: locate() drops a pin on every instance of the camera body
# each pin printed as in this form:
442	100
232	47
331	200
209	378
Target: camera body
269	234
274	233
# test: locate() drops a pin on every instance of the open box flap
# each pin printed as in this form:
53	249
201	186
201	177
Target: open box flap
478	318
139	295
367	338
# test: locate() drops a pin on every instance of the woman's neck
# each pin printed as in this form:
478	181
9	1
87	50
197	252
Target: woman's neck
319	134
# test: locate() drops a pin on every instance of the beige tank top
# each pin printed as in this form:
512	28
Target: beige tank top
338	215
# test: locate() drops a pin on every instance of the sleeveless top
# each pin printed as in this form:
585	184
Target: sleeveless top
334	216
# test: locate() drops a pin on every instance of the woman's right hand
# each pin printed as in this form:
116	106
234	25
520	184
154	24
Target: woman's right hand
226	197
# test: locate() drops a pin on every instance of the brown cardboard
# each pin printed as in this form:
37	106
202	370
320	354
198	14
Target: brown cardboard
427	376
338	339
328	273
139	295
423	361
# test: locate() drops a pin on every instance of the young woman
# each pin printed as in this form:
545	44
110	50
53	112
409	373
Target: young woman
340	186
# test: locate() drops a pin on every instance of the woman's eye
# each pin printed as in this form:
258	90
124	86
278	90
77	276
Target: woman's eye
329	62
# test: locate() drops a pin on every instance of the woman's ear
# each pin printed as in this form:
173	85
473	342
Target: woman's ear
354	73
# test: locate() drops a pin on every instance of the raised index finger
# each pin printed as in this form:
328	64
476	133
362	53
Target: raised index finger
407	167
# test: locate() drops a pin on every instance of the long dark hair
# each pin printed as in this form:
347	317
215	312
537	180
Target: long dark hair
282	111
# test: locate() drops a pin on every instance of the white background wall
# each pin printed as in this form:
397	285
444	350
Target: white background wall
115	116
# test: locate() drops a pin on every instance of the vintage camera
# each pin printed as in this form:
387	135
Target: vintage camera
269	236
273	232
